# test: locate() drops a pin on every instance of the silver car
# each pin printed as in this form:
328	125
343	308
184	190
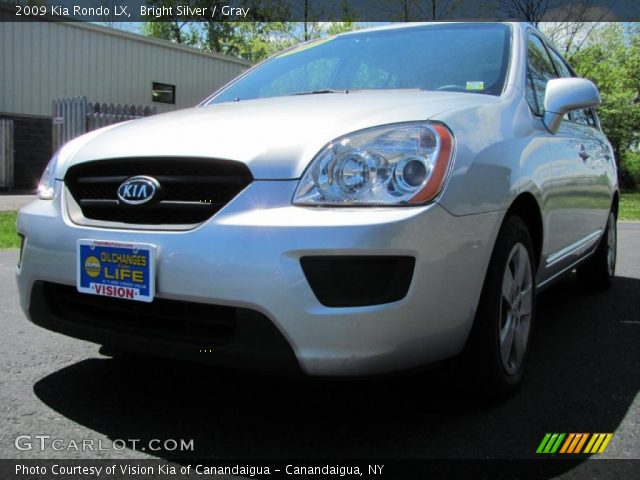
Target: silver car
366	203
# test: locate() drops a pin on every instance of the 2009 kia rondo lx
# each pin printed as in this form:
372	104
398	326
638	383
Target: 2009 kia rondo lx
366	203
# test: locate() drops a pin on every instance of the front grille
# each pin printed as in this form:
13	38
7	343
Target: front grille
180	322
192	190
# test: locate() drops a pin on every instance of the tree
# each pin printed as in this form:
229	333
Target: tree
255	41
217	34
612	60
411	10
437	9
569	37
531	11
347	22
175	31
308	11
341	27
576	22
254	38
399	9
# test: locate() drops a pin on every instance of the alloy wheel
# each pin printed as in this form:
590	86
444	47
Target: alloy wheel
516	308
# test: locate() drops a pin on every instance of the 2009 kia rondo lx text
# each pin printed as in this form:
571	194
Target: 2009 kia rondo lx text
365	203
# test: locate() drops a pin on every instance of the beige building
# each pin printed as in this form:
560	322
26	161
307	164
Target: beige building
44	61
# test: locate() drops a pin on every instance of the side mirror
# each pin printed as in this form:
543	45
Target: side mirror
565	94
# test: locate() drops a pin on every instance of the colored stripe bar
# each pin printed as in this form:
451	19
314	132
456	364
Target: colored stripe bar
590	444
567	442
550	443
558	442
581	443
606	442
543	443
599	440
573	445
576	439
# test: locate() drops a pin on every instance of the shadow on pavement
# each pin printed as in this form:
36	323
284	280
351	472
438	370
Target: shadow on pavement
583	376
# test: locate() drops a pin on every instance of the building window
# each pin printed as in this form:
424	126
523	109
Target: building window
163	93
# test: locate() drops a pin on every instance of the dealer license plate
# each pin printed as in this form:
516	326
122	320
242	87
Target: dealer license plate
117	269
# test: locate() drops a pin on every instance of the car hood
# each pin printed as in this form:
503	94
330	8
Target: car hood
275	137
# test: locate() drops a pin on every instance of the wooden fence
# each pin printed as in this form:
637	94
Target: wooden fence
74	116
6	153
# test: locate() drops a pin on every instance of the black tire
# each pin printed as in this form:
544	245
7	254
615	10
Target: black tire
598	271
487	370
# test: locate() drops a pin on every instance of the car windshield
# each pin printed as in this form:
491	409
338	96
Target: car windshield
468	57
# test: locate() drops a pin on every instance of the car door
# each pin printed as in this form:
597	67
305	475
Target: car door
567	222
596	157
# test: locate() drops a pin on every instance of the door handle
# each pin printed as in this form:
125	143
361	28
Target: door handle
584	155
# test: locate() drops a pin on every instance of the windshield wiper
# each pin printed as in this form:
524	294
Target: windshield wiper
316	92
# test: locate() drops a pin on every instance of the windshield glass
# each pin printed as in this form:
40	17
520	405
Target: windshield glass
468	57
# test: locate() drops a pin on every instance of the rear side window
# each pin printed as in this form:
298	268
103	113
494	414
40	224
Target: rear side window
540	70
592	118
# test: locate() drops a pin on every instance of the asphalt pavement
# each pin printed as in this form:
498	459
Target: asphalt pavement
14	202
584	376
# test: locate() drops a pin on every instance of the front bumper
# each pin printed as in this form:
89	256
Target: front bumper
248	256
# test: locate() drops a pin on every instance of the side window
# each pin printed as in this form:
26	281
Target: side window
580	116
531	93
560	65
540	70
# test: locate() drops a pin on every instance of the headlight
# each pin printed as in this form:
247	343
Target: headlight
397	164
46	187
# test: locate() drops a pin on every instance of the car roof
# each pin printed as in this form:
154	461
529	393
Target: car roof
403	25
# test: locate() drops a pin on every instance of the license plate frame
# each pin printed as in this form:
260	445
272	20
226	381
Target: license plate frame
115	269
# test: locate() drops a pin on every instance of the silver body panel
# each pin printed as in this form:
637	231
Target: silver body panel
275	137
248	254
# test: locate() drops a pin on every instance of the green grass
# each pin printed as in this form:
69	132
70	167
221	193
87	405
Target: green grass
8	236
629	206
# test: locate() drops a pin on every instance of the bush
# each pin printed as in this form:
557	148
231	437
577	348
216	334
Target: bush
630	170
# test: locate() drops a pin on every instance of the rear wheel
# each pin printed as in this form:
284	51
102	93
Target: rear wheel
597	273
497	349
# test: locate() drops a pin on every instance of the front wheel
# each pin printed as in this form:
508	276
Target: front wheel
497	349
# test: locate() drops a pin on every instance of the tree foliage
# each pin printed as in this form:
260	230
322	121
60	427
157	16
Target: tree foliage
256	41
612	60
215	35
608	54
174	31
255	38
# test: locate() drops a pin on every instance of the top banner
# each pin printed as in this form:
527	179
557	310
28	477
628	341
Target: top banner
208	11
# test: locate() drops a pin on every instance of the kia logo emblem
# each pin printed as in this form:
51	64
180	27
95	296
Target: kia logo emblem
138	190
